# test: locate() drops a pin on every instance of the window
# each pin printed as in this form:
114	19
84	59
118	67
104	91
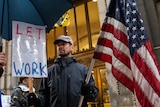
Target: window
94	22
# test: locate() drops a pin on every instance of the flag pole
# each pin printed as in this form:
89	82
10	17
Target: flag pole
31	86
87	80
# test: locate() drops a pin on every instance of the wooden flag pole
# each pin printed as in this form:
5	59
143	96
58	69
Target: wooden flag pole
87	80
31	86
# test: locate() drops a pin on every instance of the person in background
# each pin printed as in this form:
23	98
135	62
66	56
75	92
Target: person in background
66	79
3	62
21	97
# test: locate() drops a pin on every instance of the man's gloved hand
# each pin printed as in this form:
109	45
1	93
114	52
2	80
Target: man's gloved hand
1	71
32	99
89	92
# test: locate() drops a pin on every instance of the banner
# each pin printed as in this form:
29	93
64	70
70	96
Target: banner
28	50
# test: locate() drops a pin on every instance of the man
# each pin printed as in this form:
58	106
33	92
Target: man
66	79
21	97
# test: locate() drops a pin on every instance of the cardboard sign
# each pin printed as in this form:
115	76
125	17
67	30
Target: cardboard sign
28	50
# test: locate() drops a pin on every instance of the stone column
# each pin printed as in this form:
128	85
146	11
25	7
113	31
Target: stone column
102	7
6	79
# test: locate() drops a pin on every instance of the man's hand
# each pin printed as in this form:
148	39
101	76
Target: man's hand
33	100
3	59
89	92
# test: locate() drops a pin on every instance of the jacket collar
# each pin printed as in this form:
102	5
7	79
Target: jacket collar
25	88
63	62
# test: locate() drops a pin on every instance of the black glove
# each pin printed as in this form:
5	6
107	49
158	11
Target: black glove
1	71
89	92
33	100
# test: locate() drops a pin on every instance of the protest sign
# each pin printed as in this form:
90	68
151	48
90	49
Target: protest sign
6	99
28	50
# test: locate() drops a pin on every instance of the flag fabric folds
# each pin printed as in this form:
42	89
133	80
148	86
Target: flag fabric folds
124	44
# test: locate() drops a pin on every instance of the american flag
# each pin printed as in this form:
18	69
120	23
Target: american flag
124	44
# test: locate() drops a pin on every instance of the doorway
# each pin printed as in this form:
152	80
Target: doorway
103	99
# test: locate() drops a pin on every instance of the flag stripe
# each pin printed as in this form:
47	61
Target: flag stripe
144	102
148	58
117	33
146	71
105	57
143	89
123	78
122	64
122	57
109	43
154	62
105	42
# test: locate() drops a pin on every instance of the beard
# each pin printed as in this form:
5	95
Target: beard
64	54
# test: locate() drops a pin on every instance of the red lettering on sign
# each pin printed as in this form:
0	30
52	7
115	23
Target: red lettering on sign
29	32
39	32
17	30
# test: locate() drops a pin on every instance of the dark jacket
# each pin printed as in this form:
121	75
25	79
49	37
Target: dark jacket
62	88
19	96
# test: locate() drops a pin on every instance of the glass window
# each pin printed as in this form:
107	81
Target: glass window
59	31
94	21
71	29
105	90
49	44
82	28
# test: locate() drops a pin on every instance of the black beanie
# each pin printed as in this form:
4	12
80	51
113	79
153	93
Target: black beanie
21	79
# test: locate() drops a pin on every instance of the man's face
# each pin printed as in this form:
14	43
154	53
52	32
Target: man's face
64	49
